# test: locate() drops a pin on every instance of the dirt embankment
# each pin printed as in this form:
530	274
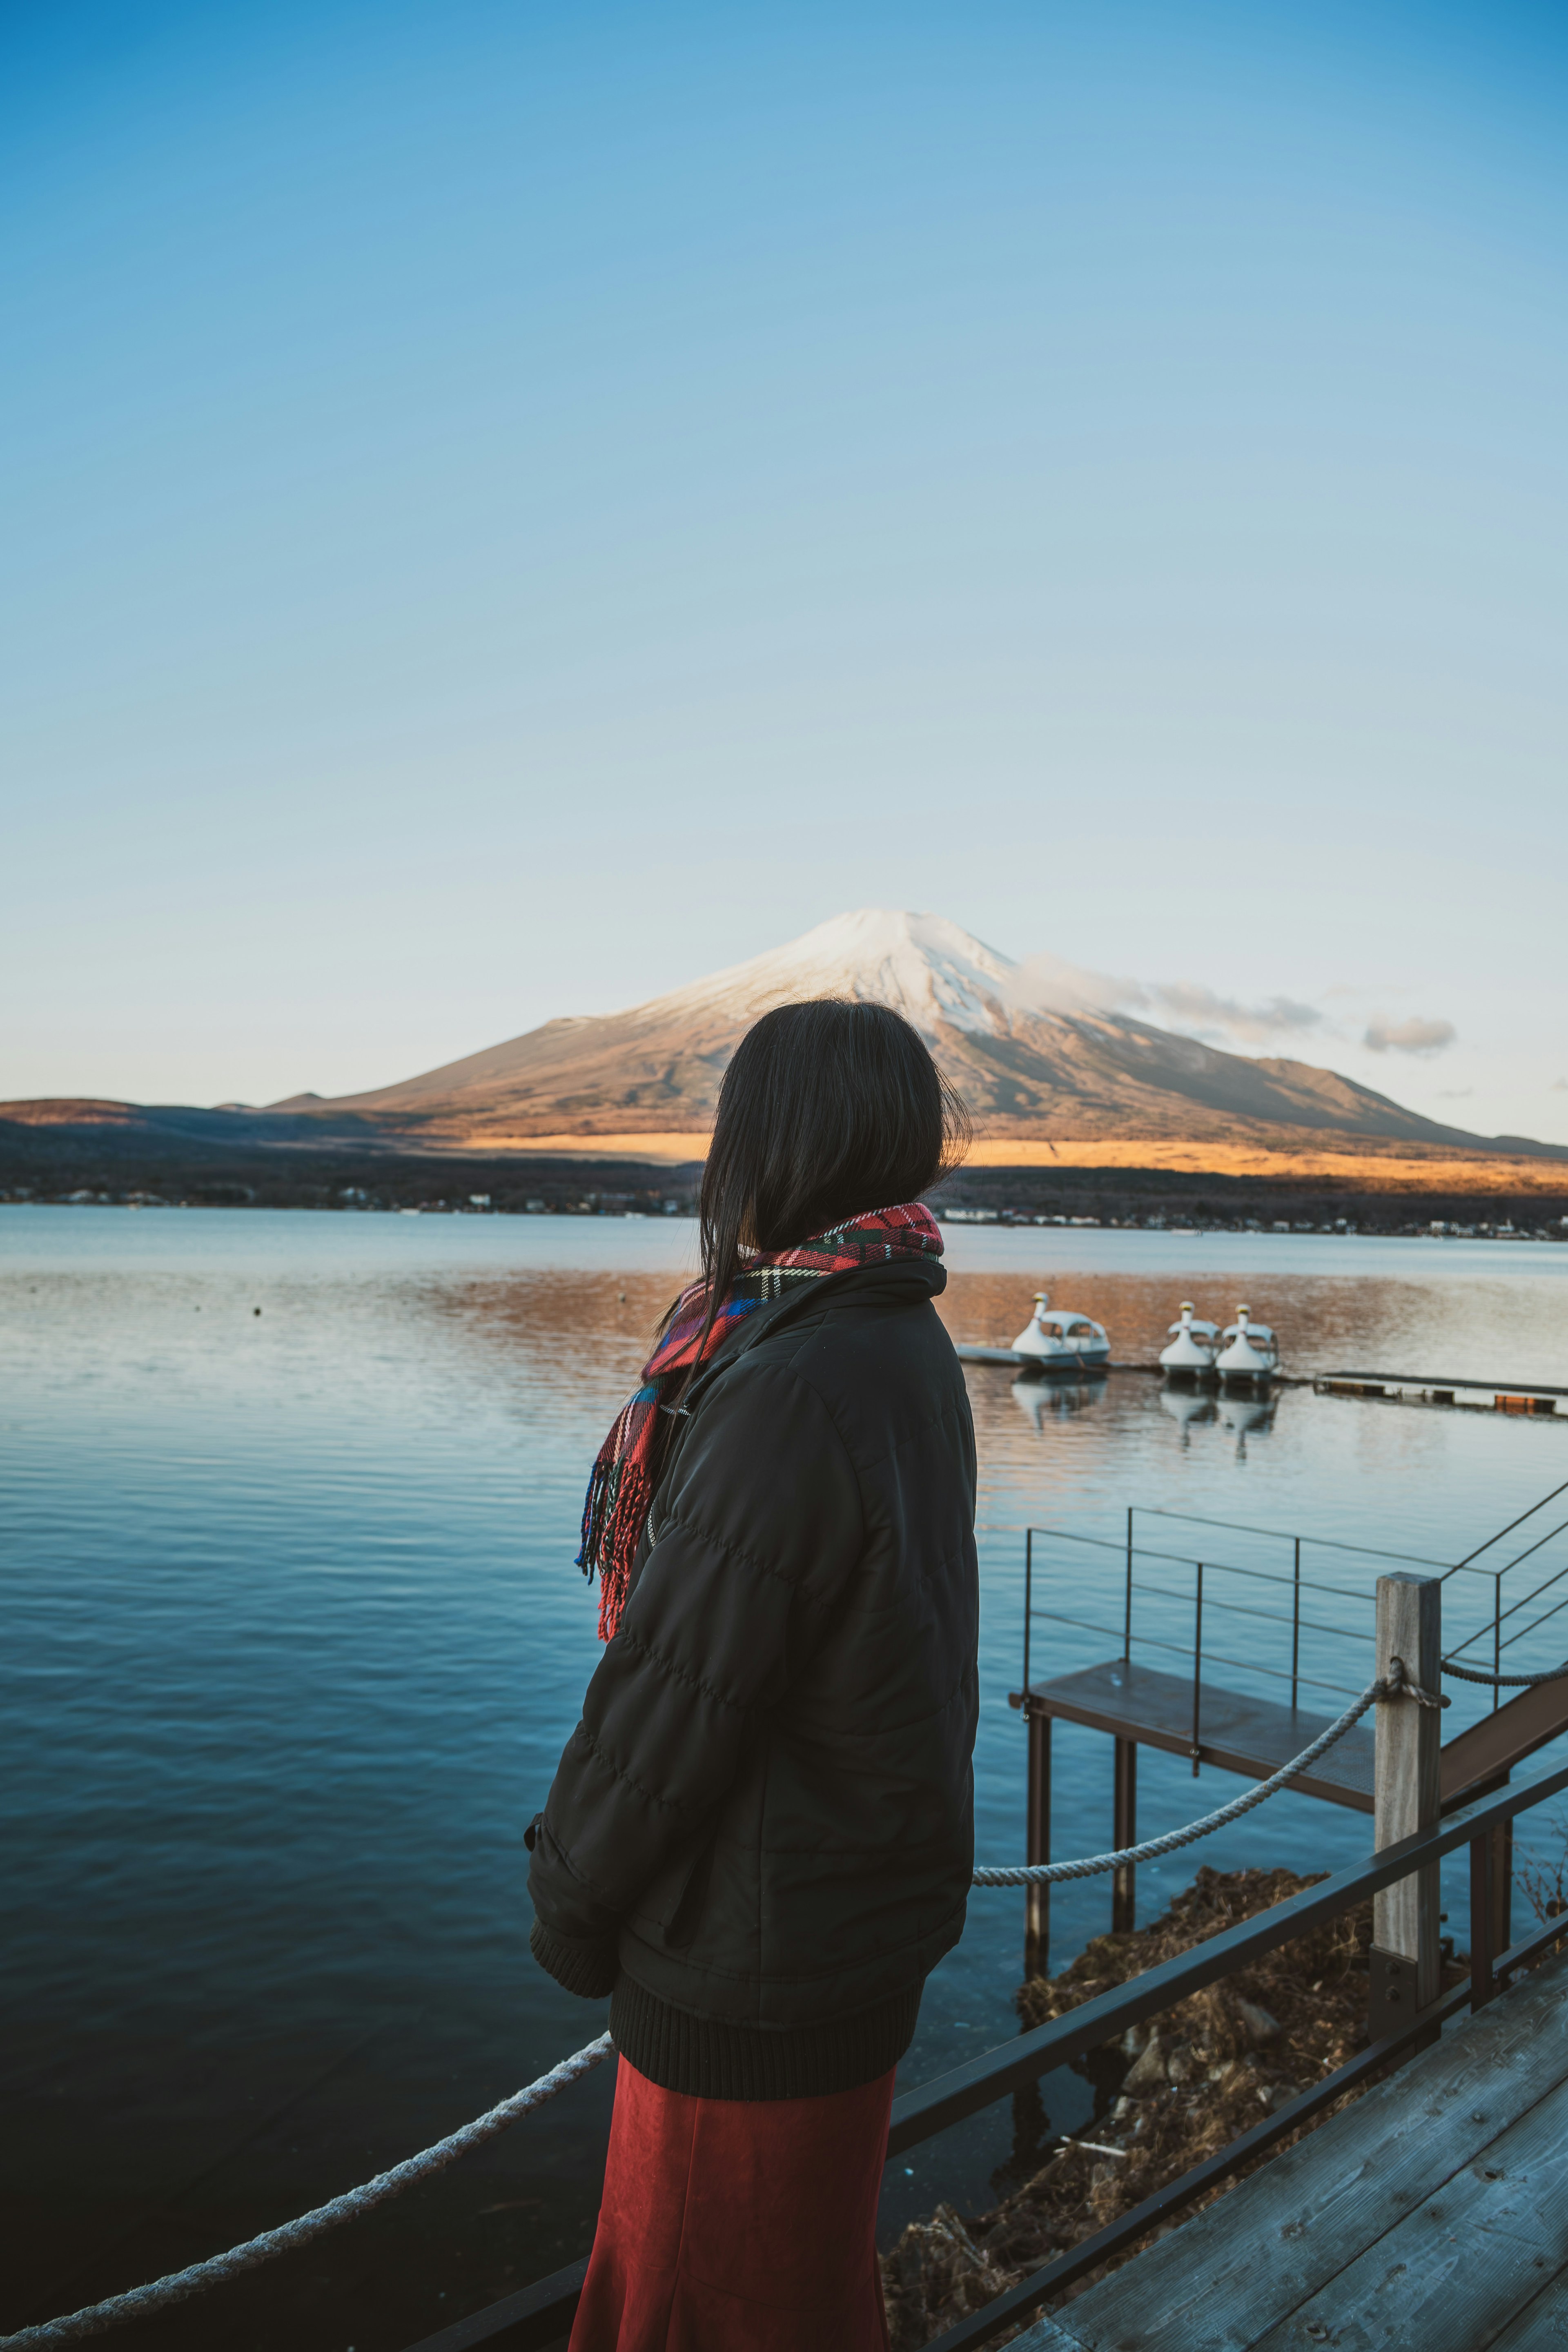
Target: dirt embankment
1166	2096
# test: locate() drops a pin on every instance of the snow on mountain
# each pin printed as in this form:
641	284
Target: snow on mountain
928	968
1037	1048
923	965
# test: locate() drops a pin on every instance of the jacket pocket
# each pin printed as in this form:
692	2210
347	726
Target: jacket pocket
673	1905
682	1926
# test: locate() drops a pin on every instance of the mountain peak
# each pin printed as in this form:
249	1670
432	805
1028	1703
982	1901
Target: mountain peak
926	967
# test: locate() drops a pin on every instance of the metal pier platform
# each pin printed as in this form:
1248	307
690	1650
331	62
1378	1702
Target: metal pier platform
1141	1705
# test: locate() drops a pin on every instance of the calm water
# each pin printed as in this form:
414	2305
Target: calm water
293	1640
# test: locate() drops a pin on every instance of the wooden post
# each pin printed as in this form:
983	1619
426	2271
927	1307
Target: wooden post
1037	1842
1406	1778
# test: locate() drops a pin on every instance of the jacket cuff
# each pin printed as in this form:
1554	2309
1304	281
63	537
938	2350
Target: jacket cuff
589	1969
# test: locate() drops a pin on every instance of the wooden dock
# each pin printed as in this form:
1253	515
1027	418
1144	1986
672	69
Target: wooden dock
1430	2216
1446	1389
1433	2213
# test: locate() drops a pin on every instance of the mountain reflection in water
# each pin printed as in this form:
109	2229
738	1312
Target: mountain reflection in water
294	1638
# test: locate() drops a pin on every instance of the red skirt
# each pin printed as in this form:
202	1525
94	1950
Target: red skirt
738	2225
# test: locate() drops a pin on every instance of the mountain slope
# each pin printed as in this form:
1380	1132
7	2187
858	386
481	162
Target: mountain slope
1031	1059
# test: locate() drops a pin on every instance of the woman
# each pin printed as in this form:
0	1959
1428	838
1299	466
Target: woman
760	1837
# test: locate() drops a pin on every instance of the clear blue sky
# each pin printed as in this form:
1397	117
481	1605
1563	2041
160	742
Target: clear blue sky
507	509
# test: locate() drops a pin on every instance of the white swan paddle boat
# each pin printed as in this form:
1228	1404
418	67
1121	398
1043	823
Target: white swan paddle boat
1249	1353
1058	1340
1193	1348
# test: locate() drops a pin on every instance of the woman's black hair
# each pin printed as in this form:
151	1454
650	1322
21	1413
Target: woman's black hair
828	1108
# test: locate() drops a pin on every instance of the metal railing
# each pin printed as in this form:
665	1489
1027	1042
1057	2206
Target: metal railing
1499	1617
1204	1598
542	2314
1506	1622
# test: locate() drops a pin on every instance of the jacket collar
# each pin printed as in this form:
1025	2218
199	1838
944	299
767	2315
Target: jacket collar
855	1287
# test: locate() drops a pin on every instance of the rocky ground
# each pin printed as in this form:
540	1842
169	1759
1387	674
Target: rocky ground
1166	2096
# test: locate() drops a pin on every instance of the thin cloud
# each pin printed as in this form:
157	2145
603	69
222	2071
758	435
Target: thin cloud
1048	984
1560	1087
1256	1024
1412	1037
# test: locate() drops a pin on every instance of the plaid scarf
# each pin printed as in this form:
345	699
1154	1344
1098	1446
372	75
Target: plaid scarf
621	1487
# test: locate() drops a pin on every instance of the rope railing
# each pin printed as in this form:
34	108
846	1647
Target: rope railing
1504	1682
138	2303
1396	1684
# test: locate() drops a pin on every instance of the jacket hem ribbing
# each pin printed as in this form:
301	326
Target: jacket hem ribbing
711	2058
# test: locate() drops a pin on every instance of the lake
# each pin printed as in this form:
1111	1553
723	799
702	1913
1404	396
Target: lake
293	1639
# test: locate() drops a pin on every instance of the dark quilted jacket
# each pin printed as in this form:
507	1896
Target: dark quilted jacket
760	1835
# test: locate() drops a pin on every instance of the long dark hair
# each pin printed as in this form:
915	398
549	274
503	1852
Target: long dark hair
828	1108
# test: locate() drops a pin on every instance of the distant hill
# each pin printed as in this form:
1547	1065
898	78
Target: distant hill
1028	1072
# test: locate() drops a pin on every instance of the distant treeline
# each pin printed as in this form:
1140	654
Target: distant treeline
55	1163
1178	1197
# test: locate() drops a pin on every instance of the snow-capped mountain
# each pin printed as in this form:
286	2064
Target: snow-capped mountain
928	969
1037	1049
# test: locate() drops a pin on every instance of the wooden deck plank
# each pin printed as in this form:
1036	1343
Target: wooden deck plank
1451	2274
1217	2282
1250	1736
1541	2326
1047	2335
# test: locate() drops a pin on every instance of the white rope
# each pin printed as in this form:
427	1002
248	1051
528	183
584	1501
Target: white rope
1505	1681
141	2300
1398	1685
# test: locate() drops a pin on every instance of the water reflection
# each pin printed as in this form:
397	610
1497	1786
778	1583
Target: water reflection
1043	1400
1189	1408
294	1638
1247	1417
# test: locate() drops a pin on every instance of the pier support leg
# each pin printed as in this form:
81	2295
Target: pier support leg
1124	1833
1502	1886
1037	1846
1405	1959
